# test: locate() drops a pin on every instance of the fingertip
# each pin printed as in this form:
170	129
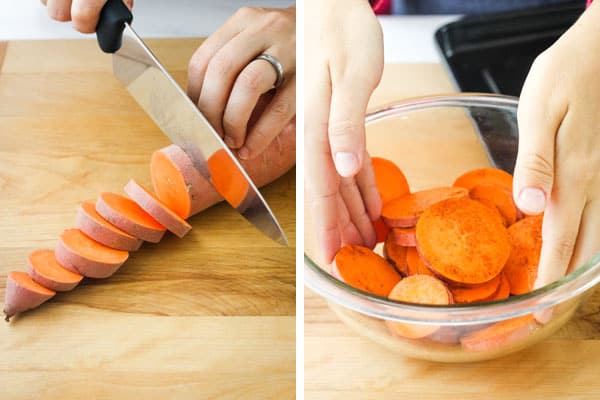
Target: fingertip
531	200
59	14
346	163
243	153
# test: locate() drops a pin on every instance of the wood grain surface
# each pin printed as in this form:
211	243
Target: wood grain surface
209	316
341	364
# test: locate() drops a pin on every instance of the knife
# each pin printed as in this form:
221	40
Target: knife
178	117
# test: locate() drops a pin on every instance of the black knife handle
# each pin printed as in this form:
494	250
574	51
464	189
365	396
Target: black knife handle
111	24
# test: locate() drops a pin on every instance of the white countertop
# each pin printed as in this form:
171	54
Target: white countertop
408	39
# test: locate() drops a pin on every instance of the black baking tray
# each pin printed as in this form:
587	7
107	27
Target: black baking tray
492	53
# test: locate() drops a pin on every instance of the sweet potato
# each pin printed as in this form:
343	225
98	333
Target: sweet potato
487	175
526	244
93	225
176	182
404	236
395	255
503	291
83	255
416	264
227	178
365	270
125	214
475	293
499	335
497	198
404	211
391	182
158	210
462	241
45	270
179	181
23	293
419	289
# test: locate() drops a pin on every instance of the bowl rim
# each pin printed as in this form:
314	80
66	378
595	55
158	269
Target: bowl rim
570	286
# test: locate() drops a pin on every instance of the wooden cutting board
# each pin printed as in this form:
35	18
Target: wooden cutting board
340	364
208	316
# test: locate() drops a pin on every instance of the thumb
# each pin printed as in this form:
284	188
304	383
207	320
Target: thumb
538	124
346	128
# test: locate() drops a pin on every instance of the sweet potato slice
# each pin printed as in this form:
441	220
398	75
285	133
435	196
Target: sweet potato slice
416	264
419	289
497	198
23	293
526	244
391	182
503	291
176	182
500	334
45	270
125	214
95	226
496	176
463	241
404	236
395	255
227	178
365	270
158	210
404	211
475	293
83	255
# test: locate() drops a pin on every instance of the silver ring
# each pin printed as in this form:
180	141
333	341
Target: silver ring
276	66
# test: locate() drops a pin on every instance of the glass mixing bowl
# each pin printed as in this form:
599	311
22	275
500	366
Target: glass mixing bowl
434	140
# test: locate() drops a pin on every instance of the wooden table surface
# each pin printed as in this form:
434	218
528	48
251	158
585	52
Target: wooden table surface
340	364
209	316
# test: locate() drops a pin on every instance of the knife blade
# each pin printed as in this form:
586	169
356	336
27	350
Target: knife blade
177	116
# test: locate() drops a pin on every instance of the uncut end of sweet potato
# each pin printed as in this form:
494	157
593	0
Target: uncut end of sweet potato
23	294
